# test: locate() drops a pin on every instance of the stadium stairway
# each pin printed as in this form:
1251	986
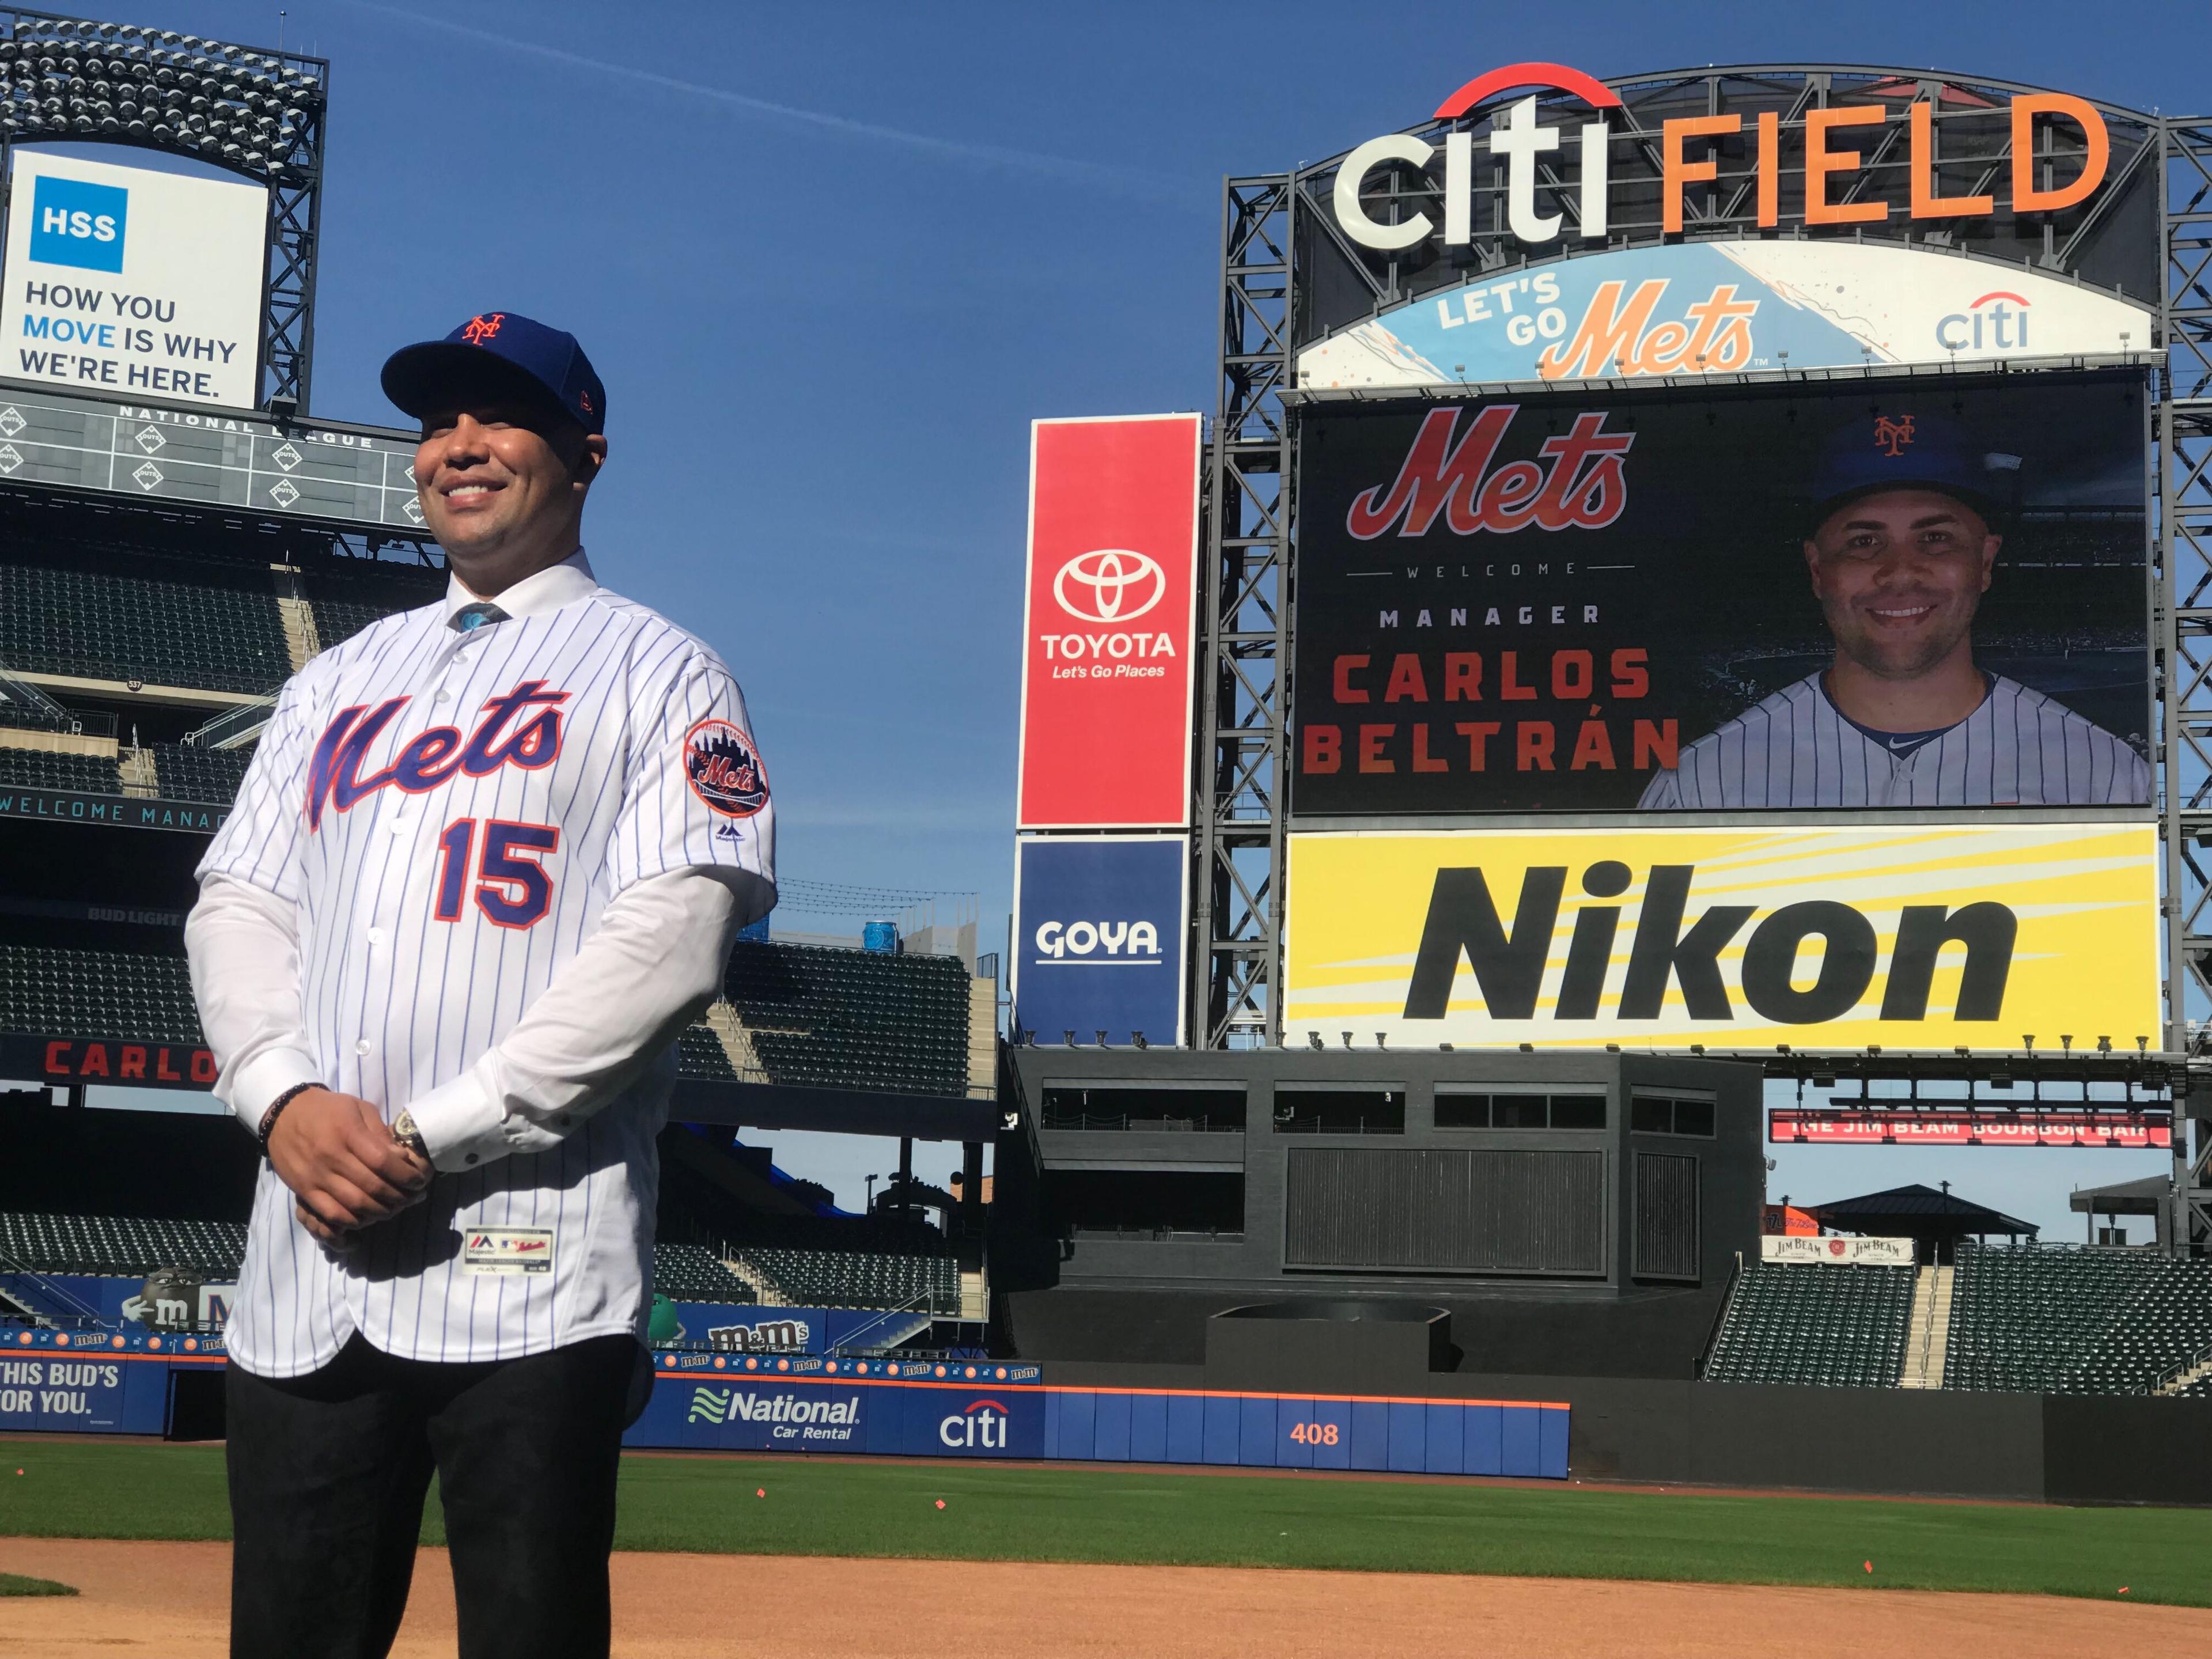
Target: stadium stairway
1927	1339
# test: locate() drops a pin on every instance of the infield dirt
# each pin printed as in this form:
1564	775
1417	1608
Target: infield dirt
171	1599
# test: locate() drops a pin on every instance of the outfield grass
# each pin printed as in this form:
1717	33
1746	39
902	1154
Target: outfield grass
89	1489
15	1585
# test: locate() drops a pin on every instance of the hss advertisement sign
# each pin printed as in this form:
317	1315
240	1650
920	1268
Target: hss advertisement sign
1872	597
1106	670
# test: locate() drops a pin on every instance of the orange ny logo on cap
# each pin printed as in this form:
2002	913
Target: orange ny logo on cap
480	329
1892	436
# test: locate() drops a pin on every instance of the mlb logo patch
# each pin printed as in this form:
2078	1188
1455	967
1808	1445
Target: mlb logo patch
76	223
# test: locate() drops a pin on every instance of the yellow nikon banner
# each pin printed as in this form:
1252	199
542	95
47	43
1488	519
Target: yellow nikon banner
1919	936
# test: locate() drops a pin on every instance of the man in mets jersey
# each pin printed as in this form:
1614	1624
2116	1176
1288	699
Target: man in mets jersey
1901	552
485	867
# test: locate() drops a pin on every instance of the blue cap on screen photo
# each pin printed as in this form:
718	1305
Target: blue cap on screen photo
1908	449
497	353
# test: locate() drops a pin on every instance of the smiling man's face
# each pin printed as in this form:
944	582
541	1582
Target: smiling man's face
502	489
1899	574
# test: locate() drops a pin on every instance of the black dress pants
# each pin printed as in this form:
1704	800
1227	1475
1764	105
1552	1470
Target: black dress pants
328	1473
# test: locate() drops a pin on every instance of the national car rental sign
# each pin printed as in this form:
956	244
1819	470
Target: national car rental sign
1112	591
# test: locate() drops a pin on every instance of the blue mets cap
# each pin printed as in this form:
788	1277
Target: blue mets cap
497	353
1906	449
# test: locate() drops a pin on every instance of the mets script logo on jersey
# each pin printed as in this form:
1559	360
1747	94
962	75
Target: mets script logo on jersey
508	734
724	771
478	330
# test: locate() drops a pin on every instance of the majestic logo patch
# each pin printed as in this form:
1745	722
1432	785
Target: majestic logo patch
723	770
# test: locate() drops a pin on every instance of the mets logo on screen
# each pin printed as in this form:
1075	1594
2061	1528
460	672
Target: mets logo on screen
723	769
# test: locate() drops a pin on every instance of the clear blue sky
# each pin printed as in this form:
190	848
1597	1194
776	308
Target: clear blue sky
832	259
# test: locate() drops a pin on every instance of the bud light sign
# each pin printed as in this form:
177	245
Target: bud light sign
1098	937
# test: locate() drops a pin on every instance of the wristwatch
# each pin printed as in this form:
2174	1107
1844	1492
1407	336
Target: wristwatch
404	1131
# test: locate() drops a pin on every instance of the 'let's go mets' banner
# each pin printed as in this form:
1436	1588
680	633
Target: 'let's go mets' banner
1911	936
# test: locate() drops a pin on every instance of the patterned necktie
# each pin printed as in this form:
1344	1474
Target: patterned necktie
469	617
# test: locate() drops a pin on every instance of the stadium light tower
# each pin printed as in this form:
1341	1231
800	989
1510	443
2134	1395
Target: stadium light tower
257	113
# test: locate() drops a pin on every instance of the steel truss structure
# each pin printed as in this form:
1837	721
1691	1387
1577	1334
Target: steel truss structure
258	112
1275	224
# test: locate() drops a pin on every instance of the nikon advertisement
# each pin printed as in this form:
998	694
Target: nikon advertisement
1921	593
1827	936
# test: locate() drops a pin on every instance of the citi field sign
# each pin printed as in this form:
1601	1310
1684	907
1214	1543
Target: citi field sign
1906	226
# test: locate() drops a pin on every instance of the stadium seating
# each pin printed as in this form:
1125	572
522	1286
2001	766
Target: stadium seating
61	992
699	1054
689	1273
1830	1325
200	775
2021	1316
97	626
855	1278
2058	1319
120	1246
829	1018
37	768
339	620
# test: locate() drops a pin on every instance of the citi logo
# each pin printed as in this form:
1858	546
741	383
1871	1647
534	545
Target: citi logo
1672	950
74	222
1133	943
1830	147
1995	322
983	1426
1109	585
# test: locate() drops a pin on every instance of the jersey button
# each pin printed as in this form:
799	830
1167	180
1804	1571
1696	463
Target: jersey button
401	826
361	1047
376	936
470	1159
443	695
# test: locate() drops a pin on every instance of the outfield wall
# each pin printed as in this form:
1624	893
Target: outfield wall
104	1382
981	1410
2058	1449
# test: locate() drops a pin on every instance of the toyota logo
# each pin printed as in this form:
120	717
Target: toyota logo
1109	585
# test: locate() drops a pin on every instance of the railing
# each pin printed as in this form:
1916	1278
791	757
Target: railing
1323	1126
81	1314
1190	1234
2180	1369
855	1339
1051	1119
233	727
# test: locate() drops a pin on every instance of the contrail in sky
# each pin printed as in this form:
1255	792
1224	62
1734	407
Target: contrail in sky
1126	180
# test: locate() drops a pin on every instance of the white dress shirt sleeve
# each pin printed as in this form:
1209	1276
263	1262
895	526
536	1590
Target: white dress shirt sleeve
244	945
651	967
243	935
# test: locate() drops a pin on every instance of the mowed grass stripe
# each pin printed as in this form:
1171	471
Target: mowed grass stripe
15	1585
831	1508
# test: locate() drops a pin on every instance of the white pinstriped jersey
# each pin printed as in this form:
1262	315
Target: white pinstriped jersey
1797	749
451	813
